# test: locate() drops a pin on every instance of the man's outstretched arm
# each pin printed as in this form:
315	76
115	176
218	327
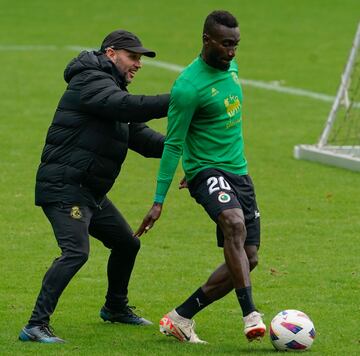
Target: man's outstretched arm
183	103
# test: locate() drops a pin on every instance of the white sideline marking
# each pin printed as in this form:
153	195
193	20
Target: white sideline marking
178	68
253	83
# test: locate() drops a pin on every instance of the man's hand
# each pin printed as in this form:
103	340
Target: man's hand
183	183
149	220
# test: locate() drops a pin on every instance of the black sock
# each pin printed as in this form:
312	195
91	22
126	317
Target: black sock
193	304
244	296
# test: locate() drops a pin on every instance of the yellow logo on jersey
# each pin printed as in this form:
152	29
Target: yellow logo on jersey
232	104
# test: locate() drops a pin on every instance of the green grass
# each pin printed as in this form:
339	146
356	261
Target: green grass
310	213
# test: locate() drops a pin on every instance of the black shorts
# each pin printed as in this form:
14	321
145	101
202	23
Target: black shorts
217	190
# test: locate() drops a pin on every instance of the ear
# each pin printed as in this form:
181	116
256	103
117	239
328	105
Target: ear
205	38
110	53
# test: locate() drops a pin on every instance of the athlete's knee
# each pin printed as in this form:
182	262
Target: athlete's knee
233	226
238	227
130	244
135	244
76	258
253	262
252	255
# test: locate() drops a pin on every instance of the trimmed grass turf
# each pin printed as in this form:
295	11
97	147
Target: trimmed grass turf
310	225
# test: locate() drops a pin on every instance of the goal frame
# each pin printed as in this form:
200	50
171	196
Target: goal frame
338	156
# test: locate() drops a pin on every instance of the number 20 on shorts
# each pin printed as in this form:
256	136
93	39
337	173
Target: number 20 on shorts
216	183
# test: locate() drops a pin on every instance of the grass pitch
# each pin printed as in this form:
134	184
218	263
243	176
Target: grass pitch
310	213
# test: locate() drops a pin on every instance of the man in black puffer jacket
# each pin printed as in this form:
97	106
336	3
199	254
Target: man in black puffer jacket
95	123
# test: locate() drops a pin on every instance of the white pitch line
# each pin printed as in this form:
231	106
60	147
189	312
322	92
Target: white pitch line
253	83
178	68
257	84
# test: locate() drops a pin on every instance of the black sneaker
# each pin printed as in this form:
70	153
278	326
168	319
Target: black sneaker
124	315
39	333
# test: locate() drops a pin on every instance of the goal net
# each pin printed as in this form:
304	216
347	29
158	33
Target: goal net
339	143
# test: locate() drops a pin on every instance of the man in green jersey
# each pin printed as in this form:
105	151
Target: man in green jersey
205	127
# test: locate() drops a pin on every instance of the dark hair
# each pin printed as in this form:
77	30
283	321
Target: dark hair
219	17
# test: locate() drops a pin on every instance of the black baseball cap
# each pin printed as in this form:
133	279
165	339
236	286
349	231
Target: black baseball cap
121	39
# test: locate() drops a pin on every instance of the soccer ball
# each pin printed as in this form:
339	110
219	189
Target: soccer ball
292	330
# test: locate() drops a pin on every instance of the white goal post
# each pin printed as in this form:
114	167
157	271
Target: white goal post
339	143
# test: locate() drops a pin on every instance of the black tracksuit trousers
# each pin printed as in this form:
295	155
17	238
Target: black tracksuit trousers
72	226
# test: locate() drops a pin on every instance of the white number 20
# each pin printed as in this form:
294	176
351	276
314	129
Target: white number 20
217	183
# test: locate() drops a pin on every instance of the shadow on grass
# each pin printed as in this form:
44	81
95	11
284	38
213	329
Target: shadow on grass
148	340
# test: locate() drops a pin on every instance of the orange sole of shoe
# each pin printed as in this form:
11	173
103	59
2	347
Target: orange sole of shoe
256	334
167	328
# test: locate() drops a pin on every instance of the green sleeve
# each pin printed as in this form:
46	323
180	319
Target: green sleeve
183	103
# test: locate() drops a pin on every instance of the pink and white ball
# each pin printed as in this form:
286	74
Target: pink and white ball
292	330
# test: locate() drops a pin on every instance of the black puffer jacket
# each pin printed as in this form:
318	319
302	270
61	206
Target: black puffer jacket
96	121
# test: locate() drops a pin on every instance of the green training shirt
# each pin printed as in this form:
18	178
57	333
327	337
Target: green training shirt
204	124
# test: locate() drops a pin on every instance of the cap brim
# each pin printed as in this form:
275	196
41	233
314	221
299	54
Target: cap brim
141	50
